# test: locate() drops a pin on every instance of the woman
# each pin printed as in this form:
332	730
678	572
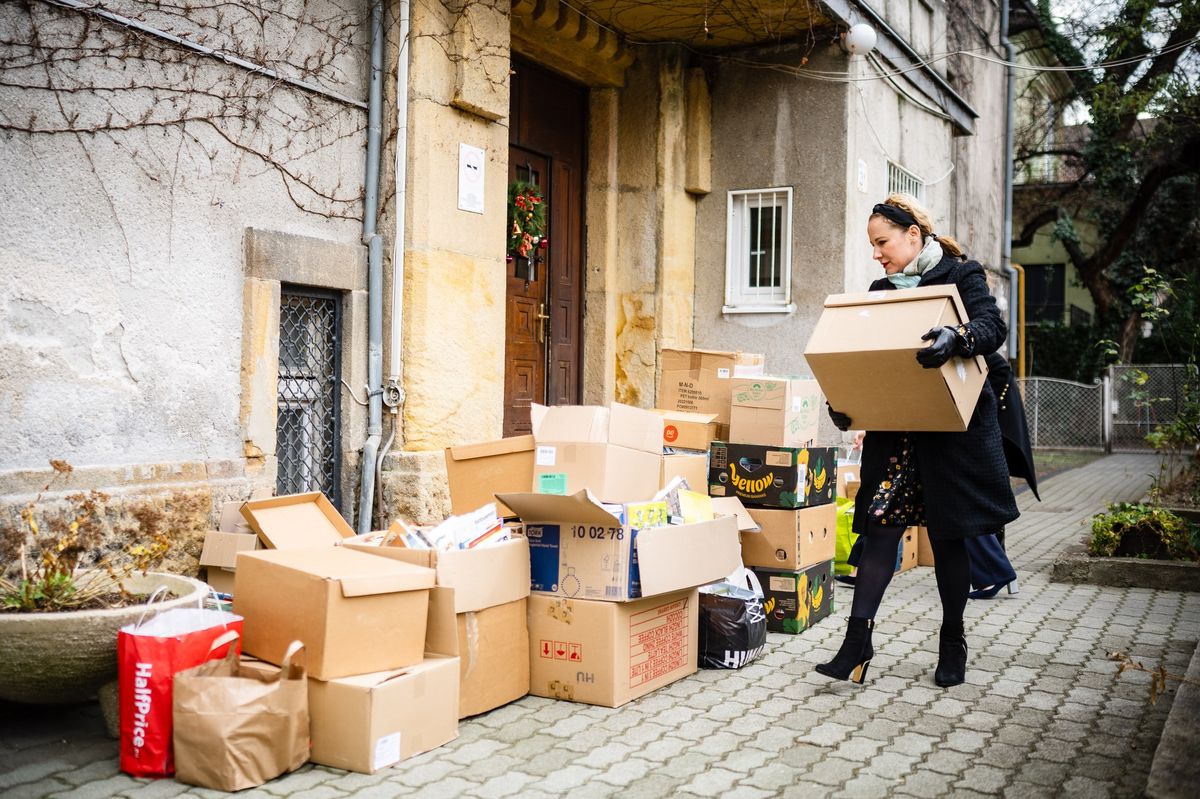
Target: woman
955	484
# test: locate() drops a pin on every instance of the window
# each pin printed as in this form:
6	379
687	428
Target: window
309	417
901	180
1045	288
758	255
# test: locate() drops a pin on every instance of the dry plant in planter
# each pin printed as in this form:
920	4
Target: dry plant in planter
48	552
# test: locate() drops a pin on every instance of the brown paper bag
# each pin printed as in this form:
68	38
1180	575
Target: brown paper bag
237	728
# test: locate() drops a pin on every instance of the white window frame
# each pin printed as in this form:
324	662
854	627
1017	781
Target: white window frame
740	296
904	180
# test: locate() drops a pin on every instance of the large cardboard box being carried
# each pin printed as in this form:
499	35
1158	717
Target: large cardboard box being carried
698	381
579	549
355	613
772	477
608	653
614	452
863	353
478	613
477	472
775	411
791	539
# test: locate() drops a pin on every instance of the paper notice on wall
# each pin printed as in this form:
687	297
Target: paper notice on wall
658	642
470	178
387	751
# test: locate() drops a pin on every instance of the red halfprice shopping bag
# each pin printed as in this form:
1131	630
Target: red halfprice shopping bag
149	654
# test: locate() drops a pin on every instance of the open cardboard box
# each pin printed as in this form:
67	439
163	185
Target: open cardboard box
296	521
355	613
698	381
775	411
579	549
861	338
615	452
608	653
477	472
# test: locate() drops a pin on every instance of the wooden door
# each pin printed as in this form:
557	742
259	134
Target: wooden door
543	358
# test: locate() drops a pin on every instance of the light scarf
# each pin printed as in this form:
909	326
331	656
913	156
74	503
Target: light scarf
928	258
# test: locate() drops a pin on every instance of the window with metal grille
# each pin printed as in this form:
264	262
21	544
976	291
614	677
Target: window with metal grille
308	428
758	255
901	180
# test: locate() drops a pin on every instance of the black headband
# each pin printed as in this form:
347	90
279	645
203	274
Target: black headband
894	214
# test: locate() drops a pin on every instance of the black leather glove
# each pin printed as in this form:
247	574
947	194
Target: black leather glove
840	420
944	344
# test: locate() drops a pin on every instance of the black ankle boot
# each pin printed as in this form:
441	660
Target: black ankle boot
952	655
851	661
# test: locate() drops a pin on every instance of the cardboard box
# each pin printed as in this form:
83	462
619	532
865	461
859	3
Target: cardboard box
772	477
861	337
791	539
355	613
614	452
847	473
220	580
481	577
796	599
775	411
924	548
477	472
579	549
698	381
908	550
683	430
221	549
492	645
607	653
296	521
691	467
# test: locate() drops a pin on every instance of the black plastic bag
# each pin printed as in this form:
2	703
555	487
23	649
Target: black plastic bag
733	626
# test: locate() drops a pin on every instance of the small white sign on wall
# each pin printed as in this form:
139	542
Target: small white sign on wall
470	178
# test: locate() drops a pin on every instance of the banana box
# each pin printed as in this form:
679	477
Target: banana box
772	477
796	600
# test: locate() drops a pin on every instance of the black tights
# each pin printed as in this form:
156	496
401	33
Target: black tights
877	563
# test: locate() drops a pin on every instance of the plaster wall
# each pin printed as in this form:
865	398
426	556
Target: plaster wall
1044	249
774	130
121	256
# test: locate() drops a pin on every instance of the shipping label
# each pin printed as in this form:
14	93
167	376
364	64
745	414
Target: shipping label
658	642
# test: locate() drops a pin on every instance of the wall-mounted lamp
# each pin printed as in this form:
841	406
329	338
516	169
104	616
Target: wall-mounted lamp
859	40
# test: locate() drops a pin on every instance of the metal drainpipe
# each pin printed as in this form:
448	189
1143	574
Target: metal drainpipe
393	393
1010	99
374	275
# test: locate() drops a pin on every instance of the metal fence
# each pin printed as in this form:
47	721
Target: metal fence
1063	414
1115	414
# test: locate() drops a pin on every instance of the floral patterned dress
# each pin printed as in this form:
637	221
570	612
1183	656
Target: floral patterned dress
899	500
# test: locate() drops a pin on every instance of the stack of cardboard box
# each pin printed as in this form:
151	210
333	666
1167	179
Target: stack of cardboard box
377	693
788	486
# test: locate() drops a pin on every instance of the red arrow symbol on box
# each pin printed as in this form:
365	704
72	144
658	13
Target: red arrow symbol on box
545	647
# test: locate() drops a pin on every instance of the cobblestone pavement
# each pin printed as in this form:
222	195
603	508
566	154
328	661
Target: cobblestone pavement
1043	712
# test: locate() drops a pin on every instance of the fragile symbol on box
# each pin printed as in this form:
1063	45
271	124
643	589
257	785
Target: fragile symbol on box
560	650
575	652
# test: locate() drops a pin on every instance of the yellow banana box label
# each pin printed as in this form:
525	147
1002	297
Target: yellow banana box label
772	477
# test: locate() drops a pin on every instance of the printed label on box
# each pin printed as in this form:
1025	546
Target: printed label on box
778	457
553	483
387	751
783	584
658	642
543	556
546	456
723	372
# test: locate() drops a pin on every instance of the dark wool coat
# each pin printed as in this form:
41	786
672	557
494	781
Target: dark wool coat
964	476
1014	428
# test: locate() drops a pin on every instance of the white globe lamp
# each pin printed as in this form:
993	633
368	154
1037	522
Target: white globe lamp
859	40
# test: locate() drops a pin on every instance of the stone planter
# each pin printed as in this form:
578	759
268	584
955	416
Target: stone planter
58	658
1075	565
